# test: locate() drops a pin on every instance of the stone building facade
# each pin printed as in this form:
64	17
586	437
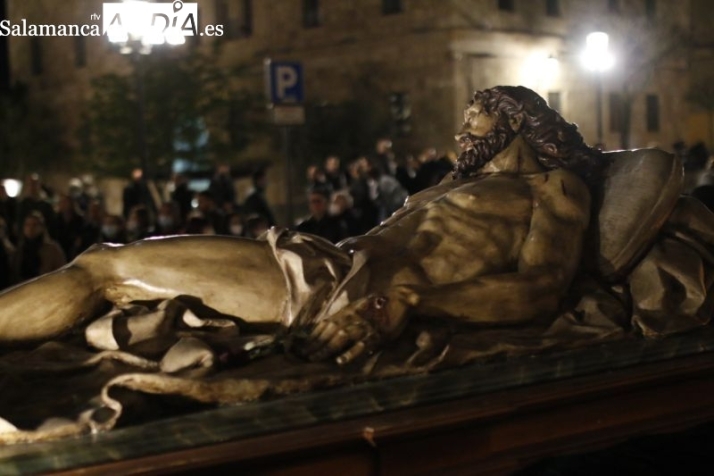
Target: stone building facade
436	51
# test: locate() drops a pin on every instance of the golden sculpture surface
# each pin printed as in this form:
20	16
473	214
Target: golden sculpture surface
536	241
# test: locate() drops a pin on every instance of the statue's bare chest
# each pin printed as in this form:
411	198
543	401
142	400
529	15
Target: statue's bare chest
473	229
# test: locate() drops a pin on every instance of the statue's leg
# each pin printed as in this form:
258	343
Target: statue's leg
48	305
235	276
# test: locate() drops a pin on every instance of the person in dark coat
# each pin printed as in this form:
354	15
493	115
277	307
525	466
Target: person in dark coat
139	224
137	194
37	253
6	254
8	212
210	211
334	175
113	230
92	229
256	203
169	220
430	173
222	188
35	200
182	195
364	208
321	223
70	225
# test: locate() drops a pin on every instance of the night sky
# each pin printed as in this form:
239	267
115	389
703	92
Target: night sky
4	68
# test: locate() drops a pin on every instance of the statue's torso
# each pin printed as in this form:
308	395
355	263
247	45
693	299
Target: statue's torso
452	232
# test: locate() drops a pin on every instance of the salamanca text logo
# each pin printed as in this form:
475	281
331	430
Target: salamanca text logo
30	29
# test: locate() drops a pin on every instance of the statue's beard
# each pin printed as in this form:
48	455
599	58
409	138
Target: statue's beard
478	151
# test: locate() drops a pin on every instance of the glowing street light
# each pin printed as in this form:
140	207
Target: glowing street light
12	187
597	58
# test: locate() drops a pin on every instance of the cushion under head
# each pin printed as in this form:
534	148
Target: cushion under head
638	193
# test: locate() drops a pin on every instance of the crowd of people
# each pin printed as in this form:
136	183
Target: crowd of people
349	201
42	230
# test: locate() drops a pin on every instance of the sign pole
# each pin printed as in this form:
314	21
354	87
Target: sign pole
287	153
285	90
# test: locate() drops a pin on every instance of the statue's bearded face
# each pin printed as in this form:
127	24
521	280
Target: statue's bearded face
483	135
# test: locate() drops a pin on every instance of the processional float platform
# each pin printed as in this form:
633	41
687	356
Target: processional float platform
490	418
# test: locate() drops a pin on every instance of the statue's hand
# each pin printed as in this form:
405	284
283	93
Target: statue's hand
359	328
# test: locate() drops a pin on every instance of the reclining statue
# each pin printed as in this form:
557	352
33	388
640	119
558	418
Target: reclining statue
537	240
498	244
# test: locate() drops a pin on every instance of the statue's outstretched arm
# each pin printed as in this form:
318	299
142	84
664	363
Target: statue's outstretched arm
547	263
502	299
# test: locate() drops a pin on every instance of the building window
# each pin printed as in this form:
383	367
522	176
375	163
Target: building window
651	9
613	6
36	55
222	15
223	18
80	51
554	100
390	7
652	113
615	112
310	13
246	20
506	5
552	8
236	23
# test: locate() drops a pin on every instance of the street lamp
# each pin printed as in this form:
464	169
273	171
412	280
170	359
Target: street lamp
135	36
597	58
12	187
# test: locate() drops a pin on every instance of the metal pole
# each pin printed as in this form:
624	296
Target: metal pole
598	107
141	116
287	153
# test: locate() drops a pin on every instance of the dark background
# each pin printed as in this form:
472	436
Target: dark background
4	68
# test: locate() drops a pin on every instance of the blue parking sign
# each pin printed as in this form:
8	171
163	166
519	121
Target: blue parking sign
285	82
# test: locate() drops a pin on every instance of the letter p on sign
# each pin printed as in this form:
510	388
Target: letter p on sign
286	82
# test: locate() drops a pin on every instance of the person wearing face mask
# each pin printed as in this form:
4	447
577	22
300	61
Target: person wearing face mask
235	225
37	253
198	225
138	226
169	220
255	226
320	222
113	230
215	216
341	209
